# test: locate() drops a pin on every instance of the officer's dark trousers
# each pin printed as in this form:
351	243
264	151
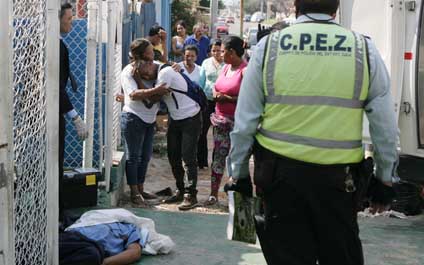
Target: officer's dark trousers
309	217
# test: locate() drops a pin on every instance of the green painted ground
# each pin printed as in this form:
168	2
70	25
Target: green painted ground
201	240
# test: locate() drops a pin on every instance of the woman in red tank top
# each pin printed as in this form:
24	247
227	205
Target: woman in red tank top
225	94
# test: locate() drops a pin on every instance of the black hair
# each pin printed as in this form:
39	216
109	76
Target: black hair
235	43
154	30
216	41
63	8
181	23
191	48
316	6
138	48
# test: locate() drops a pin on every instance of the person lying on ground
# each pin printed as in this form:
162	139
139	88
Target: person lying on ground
122	242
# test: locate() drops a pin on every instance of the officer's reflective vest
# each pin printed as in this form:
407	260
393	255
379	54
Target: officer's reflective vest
315	83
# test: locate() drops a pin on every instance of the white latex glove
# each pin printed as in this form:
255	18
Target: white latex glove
81	128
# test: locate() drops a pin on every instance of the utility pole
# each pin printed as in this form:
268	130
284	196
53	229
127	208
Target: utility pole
214	15
241	17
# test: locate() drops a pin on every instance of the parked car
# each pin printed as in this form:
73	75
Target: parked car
222	29
257	17
247	18
230	20
220	19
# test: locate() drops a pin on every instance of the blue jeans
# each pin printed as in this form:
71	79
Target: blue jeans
138	137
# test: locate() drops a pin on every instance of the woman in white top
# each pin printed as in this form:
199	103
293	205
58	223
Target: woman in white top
189	67
177	42
139	116
209	72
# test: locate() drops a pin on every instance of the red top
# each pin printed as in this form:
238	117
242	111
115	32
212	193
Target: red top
229	86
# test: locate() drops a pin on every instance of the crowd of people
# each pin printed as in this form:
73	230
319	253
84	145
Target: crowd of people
151	80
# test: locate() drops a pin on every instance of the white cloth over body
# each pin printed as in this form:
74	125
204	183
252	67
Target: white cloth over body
156	243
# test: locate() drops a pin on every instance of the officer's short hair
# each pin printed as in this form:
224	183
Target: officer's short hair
317	6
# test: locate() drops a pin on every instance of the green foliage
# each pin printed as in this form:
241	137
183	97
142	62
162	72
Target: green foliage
207	3
251	6
181	10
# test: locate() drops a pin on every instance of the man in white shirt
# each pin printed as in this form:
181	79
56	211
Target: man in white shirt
183	133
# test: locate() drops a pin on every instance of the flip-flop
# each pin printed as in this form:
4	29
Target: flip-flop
212	200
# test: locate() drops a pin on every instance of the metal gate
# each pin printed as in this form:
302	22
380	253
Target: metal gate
28	139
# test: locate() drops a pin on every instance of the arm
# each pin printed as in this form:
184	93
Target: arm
202	78
164	46
128	256
135	88
381	116
383	129
141	94
221	97
248	113
175	51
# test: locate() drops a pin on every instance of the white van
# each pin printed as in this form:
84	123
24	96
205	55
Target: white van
397	29
257	17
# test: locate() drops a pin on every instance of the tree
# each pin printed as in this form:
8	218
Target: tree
181	10
207	3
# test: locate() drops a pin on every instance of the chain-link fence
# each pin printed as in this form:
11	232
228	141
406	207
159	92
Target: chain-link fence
76	42
30	131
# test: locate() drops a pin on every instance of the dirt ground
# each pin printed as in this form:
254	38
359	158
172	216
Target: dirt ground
159	176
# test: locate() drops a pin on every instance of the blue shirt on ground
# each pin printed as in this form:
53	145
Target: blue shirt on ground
202	46
115	237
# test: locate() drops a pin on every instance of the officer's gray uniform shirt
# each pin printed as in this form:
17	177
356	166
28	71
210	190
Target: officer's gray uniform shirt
379	110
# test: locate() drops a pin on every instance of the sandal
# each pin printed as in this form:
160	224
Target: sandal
212	200
137	199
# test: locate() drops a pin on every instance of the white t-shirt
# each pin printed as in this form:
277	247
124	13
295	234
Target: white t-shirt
136	106
195	75
186	106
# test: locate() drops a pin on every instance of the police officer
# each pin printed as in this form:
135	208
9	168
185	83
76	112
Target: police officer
301	107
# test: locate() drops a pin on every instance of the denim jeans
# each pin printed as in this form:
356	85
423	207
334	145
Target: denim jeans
182	138
138	137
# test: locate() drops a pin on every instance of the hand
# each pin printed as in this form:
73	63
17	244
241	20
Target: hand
381	195
243	185
81	128
216	95
262	32
119	97
161	89
162	35
176	67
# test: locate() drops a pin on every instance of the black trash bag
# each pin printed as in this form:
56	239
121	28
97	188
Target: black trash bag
408	199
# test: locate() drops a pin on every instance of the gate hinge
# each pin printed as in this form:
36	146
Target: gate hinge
411	5
406	107
3	176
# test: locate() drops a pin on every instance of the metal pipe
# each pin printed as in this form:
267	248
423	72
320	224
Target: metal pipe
241	17
90	81
110	64
214	15
52	113
7	241
100	81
